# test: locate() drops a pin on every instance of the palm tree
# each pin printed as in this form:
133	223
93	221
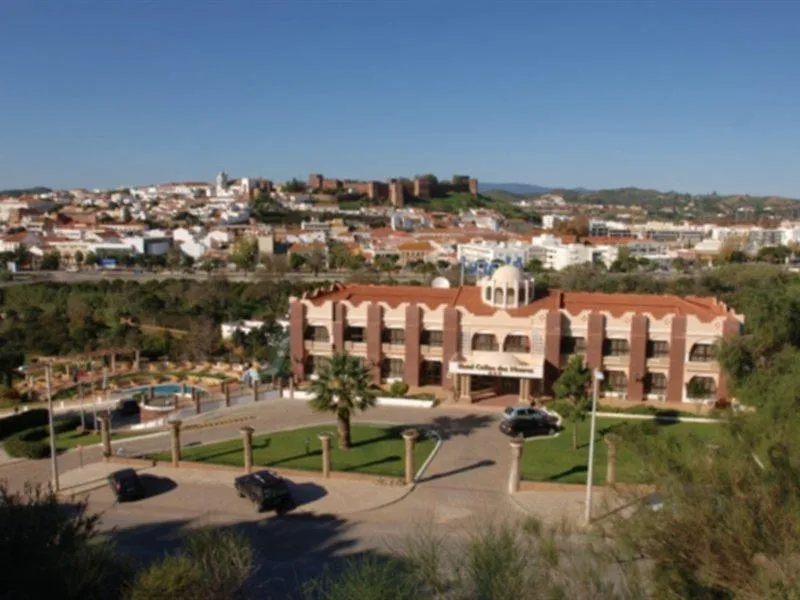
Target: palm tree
343	384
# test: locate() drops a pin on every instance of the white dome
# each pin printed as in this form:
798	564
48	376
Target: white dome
507	274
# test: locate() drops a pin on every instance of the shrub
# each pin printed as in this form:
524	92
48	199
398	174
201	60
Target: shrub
34	442
20	422
398	389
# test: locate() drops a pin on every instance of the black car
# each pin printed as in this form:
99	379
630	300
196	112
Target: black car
128	406
126	485
537	423
266	490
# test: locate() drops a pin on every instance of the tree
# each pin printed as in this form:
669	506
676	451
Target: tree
343	385
571	386
51	261
316	260
42	536
90	259
245	252
174	258
295	186
534	265
296	261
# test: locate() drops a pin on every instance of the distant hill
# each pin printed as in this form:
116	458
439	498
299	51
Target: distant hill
518	189
24	192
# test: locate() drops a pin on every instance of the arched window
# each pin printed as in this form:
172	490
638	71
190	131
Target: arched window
701	353
700	388
517	343
486	342
499	295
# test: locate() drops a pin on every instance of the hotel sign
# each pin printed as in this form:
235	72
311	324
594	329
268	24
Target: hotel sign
530	372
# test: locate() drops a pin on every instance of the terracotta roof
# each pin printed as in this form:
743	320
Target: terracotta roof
469	298
415	247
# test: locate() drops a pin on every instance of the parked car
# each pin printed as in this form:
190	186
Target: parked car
266	490
535	424
126	485
522	411
128	406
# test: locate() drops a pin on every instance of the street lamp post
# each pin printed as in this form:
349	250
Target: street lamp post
597	377
53	458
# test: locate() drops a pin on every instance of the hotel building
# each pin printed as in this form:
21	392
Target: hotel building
500	337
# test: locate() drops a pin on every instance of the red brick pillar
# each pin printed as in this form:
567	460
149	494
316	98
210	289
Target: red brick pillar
731	327
552	350
677	357
411	365
374	328
594	340
451	332
297	325
338	327
637	368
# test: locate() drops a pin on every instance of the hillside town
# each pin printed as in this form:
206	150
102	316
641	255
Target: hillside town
423	225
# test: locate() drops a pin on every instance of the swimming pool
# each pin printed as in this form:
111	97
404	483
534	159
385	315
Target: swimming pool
164	389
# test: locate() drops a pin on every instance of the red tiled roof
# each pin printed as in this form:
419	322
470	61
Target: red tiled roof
469	297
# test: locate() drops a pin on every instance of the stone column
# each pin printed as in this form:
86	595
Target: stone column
196	400
466	389
176	442
326	454
247	441
255	391
291	388
409	436
105	433
516	463
280	387
226	389
136	359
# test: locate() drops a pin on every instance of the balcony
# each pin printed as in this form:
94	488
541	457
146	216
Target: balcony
617	361
701	366
398	350
658	361
312	346
431	351
356	347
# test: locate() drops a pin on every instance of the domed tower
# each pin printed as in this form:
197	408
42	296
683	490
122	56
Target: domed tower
507	287
222	182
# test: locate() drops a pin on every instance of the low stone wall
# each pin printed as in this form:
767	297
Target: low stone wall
379	401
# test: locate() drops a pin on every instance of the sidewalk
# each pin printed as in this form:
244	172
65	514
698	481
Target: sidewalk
312	494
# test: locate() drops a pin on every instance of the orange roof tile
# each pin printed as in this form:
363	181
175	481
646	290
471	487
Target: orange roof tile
469	298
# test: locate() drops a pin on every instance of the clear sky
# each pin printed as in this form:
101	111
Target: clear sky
692	96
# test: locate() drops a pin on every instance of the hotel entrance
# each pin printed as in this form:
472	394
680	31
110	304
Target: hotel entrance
494	380
485	387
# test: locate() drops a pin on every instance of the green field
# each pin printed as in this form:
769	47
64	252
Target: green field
71	439
553	459
376	450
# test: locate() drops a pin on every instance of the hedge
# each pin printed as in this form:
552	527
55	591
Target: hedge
22	421
34	442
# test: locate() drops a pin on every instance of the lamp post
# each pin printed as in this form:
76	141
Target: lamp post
53	459
597	377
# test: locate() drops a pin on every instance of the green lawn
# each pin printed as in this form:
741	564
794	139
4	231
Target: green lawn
70	439
376	450
553	459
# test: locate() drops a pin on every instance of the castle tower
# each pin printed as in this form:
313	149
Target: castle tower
396	193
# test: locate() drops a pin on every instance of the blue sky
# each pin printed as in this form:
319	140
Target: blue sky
692	96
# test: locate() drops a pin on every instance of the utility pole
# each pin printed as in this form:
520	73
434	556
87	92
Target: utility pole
597	377
53	458
80	399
